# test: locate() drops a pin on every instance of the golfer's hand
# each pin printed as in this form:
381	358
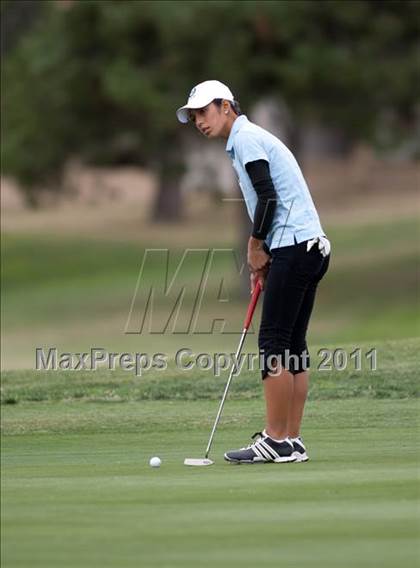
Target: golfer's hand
254	277
260	275
257	257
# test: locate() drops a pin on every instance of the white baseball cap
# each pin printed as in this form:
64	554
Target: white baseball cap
202	95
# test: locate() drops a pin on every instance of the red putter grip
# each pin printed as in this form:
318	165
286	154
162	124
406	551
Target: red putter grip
251	308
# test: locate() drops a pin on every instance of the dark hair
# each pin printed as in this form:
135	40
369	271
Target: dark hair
234	105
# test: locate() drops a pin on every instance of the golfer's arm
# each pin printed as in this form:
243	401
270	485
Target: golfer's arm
259	174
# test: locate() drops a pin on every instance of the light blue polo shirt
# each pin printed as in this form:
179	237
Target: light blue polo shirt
295	215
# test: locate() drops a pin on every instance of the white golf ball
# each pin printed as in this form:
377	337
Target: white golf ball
155	462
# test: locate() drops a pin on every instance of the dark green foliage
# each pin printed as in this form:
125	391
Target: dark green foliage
101	80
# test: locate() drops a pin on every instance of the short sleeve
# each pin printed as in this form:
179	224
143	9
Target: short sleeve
249	148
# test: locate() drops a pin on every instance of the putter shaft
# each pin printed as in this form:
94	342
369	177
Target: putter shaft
247	323
219	413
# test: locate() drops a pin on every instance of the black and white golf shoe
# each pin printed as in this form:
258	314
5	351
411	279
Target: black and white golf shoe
263	450
299	450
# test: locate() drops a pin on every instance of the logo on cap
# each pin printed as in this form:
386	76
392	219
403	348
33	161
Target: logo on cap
192	92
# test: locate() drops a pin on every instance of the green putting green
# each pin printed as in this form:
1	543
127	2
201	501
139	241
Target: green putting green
78	490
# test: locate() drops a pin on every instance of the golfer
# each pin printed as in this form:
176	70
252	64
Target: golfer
287	251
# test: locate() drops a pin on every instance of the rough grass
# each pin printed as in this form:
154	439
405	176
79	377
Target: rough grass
396	376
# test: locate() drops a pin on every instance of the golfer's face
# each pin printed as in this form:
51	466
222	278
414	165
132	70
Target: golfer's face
209	120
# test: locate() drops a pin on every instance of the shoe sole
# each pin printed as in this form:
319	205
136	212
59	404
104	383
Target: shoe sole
301	457
286	459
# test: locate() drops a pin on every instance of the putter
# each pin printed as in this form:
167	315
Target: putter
251	308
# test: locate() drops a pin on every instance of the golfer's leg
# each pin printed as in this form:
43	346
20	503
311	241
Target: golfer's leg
278	392
301	376
284	294
299	347
297	406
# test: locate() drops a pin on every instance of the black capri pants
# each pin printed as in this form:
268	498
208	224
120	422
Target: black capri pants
289	297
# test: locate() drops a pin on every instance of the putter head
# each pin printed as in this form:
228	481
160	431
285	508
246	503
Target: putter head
198	462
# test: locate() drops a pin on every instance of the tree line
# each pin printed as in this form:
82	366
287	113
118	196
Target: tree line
101	80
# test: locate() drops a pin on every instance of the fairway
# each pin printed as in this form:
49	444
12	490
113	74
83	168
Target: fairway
86	297
78	491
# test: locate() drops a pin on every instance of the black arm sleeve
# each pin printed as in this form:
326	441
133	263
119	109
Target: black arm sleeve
259	173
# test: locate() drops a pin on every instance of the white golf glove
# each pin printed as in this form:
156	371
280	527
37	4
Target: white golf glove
324	245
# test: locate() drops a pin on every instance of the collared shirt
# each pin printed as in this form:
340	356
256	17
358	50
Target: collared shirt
295	218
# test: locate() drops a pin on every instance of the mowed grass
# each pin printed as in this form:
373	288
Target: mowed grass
78	492
75	292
